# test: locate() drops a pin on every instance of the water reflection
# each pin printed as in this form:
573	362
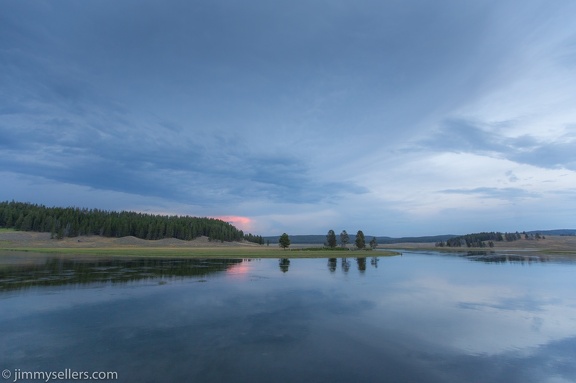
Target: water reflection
422	317
55	271
507	257
332	264
361	262
345	265
493	257
284	264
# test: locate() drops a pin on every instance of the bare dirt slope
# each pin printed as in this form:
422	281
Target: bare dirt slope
42	240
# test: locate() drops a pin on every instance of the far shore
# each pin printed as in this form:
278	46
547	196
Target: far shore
41	243
32	242
549	245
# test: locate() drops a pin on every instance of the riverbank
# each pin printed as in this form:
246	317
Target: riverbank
548	245
204	247
30	242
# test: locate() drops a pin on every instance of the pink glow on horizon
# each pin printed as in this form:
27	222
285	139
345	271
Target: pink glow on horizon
242	223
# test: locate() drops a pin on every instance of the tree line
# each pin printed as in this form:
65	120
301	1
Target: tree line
479	239
73	222
22	276
360	240
254	238
332	242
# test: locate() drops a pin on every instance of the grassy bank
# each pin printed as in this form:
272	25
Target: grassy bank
210	252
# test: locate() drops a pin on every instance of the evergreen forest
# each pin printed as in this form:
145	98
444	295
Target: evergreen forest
73	222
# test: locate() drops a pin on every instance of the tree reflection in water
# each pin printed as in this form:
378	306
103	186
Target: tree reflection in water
284	264
361	261
68	271
345	265
332	264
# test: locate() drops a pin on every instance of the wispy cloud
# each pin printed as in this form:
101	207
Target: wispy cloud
497	193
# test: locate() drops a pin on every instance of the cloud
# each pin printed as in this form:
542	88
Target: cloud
561	153
490	139
243	223
156	161
511	194
368	109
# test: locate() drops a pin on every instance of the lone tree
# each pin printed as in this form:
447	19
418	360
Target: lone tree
360	240
344	238
331	239
373	243
284	241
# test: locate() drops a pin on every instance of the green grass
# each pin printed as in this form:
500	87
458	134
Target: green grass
231	252
327	249
6	230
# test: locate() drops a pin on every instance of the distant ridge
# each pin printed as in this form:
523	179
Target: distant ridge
319	239
554	232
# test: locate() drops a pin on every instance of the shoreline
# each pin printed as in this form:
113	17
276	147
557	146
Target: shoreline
208	252
33	242
40	243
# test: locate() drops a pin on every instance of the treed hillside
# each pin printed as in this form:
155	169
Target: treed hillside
561	232
480	239
73	221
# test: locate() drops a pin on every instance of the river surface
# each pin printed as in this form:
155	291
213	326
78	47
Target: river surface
419	317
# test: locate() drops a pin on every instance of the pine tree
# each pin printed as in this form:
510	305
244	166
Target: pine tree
344	238
331	239
360	240
373	243
284	241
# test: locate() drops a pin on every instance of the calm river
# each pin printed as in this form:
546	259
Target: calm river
420	317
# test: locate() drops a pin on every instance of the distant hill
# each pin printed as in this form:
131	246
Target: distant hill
424	239
320	239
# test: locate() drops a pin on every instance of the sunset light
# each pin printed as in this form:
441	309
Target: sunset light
242	223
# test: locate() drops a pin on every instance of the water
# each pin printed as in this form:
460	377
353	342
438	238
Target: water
420	317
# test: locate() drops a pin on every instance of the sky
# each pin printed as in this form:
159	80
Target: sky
397	118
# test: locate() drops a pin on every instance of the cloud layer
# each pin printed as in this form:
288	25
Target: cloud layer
304	117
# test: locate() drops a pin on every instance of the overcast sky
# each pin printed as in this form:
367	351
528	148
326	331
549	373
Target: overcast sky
393	117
